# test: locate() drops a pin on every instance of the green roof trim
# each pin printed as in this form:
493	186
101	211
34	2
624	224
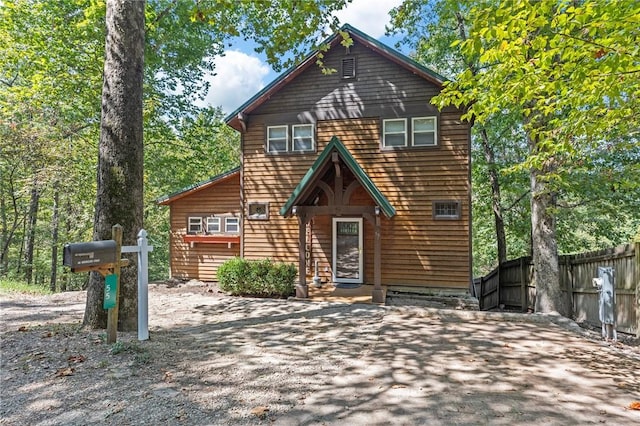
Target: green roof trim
385	50
364	179
212	180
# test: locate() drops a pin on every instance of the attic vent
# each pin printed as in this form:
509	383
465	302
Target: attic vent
348	67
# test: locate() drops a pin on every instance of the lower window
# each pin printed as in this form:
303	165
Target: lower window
258	211
194	225
446	209
231	224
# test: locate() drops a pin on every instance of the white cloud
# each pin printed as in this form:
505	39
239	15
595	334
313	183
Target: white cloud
369	16
238	77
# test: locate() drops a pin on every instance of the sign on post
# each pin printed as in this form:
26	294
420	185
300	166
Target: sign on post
110	291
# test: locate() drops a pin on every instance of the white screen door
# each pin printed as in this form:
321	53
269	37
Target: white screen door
347	250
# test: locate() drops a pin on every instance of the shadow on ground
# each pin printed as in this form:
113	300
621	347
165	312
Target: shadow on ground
259	361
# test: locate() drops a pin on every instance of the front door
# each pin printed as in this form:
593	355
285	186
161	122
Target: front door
347	250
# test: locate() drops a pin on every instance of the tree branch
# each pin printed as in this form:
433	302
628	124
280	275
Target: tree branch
506	209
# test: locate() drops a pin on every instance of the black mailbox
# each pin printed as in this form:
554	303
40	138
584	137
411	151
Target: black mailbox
86	255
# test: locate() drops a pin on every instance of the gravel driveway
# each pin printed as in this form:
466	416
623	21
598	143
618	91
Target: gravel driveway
214	359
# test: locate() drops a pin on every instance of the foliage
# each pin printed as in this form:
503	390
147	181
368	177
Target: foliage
431	27
51	63
263	278
596	192
277	26
571	70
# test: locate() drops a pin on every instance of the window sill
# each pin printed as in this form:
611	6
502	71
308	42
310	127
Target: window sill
211	239
285	153
408	148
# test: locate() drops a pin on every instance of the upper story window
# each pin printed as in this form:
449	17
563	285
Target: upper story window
303	137
294	138
277	139
423	131
394	132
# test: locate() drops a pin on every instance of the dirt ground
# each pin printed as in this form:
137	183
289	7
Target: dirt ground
214	359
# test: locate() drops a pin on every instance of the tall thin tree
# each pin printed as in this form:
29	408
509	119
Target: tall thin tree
120	158
30	235
55	226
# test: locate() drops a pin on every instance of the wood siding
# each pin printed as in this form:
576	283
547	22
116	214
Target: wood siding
417	250
202	260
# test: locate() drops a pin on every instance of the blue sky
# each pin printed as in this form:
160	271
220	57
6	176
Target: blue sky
242	72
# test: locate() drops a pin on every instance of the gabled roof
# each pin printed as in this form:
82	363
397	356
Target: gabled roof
168	199
236	117
317	167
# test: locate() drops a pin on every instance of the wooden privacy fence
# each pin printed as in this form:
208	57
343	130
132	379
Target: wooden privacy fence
510	286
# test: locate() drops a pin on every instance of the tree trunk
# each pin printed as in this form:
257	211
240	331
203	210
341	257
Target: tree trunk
8	232
65	283
31	231
495	196
4	238
491	163
120	158
54	239
546	268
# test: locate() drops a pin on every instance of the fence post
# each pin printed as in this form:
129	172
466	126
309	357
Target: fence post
143	289
568	284
523	285
637	256
499	284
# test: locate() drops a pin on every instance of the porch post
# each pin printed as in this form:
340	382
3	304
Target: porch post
377	296
302	290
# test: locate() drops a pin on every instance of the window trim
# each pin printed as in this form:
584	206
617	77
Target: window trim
264	216
384	133
434	131
213	219
226	225
286	147
410	133
191	222
293	137
458	208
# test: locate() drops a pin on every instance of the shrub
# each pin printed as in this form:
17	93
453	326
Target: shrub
263	278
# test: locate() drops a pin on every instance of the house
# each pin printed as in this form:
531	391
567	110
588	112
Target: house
356	172
205	226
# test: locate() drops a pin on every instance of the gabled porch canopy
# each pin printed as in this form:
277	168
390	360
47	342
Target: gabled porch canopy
333	152
316	184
